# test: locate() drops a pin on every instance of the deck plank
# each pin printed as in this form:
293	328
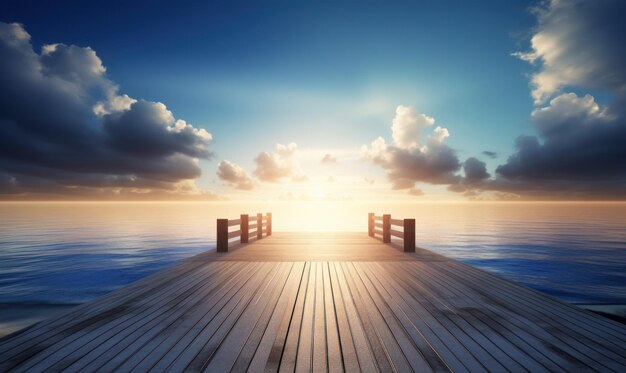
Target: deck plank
255	360
155	313
514	299
332	302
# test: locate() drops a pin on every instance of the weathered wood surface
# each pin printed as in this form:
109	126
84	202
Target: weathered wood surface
320	302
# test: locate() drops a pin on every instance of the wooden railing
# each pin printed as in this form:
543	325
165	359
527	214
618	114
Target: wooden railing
262	224
383	227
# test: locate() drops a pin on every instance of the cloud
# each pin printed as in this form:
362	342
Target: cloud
369	180
407	126
65	129
490	154
409	160
578	43
329	159
579	142
279	165
579	150
416	192
235	175
475	170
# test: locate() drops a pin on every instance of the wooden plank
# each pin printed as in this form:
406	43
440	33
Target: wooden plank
319	353
232	223
258	311
333	343
71	349
364	353
484	351
121	344
47	329
560	340
443	342
372	327
591	323
507	353
255	355
396	233
234	234
206	336
149	351
347	347
409	350
508	325
193	356
145	340
435	361
304	359
589	352
386	228
284	348
545	307
398	222
41	345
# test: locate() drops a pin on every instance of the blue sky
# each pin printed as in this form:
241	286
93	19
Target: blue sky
324	75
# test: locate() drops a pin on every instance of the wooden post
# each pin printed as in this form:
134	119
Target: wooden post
259	226
222	235
244	228
409	235
370	224
269	223
386	228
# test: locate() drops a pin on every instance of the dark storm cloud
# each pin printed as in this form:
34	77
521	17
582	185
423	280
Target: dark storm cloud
64	127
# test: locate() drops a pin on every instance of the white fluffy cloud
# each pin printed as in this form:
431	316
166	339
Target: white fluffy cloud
407	126
234	175
279	165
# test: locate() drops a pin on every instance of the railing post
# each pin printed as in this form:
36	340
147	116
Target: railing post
386	228
259	226
244	228
222	235
269	223
370	224
409	235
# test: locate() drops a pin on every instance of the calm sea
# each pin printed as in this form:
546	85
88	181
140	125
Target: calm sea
54	255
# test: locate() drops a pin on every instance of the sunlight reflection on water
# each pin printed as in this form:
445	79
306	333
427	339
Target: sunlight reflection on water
72	252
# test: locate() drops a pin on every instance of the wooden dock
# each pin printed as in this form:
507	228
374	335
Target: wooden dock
320	302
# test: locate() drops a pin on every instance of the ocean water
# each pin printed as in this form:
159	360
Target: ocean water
55	255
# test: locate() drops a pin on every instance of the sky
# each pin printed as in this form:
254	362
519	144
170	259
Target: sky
337	100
